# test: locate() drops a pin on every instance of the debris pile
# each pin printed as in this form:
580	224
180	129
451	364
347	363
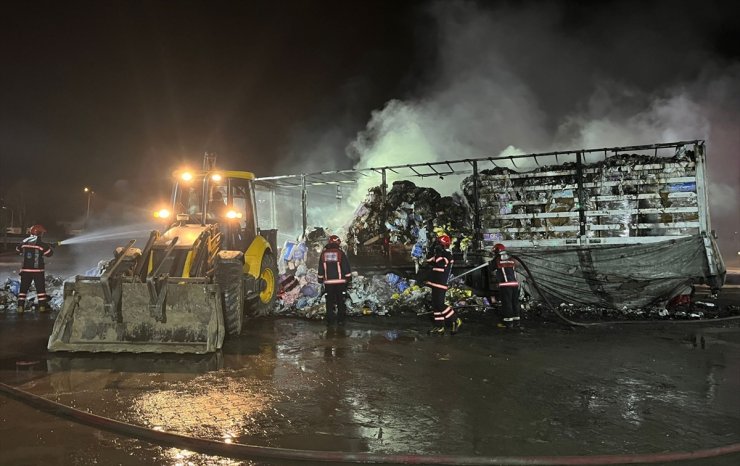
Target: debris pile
408	218
692	311
11	287
298	256
301	295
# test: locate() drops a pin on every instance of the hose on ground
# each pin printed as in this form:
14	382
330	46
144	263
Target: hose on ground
242	451
576	323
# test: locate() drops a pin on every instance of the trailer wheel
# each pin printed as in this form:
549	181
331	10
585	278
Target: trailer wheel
266	298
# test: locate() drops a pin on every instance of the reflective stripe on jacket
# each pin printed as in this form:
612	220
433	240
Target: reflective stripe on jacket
440	260
334	268
506	271
33	251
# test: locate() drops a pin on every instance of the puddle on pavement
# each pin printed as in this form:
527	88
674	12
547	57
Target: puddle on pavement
297	384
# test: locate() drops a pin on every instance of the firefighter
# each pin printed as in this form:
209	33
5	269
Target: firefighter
440	259
508	286
335	274
33	250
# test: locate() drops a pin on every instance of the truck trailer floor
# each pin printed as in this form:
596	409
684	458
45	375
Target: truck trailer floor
382	385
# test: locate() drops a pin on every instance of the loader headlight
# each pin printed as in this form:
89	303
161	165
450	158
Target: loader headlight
186	176
216	177
162	213
233	214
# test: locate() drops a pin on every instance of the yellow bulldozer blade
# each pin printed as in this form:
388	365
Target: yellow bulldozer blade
190	320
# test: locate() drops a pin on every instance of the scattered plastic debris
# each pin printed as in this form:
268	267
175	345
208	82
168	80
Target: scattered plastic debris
11	288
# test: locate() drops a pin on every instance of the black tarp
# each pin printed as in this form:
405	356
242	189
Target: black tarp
616	276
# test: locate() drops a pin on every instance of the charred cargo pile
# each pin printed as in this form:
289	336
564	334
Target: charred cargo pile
408	217
628	195
403	225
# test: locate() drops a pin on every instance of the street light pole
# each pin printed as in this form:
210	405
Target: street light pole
89	192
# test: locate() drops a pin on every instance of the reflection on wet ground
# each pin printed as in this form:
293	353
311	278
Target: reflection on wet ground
385	386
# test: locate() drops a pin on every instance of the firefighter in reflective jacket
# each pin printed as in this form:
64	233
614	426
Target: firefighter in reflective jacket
33	250
440	259
335	273
508	286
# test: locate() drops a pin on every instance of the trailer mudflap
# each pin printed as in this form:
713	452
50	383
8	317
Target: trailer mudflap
183	316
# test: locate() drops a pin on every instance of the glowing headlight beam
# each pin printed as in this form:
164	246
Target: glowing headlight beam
162	213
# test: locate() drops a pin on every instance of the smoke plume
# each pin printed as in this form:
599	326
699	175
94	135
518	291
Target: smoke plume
533	78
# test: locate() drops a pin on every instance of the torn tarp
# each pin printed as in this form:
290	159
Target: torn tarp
617	276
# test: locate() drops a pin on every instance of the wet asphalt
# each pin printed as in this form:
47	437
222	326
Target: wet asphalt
382	385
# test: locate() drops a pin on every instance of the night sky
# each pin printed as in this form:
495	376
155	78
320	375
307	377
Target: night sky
115	94
99	93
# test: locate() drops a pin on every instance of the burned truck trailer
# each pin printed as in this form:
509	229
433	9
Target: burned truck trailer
611	227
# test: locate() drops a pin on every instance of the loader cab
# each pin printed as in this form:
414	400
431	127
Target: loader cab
225	198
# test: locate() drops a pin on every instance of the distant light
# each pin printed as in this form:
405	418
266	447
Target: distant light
216	177
187	176
233	214
87	190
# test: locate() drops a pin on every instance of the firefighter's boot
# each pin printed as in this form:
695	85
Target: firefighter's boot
456	324
437	330
43	308
21	307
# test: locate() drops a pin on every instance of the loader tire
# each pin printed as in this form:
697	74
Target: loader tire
229	278
265	300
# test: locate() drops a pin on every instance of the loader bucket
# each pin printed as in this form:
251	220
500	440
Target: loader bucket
181	317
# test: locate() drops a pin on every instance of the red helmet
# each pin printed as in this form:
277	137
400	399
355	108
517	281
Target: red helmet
444	240
499	247
37	230
334	239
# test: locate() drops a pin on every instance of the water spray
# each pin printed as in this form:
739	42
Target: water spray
109	234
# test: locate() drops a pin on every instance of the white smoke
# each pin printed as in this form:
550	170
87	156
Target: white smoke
510	82
528	78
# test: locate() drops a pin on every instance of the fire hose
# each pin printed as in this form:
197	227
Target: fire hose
243	451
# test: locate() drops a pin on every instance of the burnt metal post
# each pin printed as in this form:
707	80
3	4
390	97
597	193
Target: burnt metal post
702	200
383	187
384	204
304	205
273	209
477	233
581	194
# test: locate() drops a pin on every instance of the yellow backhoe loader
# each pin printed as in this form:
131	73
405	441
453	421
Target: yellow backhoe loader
188	286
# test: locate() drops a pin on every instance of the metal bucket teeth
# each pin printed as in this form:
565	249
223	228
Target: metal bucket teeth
189	319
